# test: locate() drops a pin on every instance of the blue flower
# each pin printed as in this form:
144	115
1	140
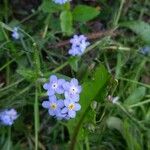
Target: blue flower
145	50
54	106
54	86
15	33
62	109
70	108
72	90
7	117
60	1
79	44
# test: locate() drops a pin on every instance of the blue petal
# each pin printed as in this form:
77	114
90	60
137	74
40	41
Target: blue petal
77	107
50	92
46	104
53	78
72	114
74	82
64	110
51	112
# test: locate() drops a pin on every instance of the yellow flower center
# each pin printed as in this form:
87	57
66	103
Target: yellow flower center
71	107
53	106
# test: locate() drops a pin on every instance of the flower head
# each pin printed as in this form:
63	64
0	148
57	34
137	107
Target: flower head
60	1
79	45
15	33
70	108
145	50
7	117
72	90
66	108
54	86
112	99
53	105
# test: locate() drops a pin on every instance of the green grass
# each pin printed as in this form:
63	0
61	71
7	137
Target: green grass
111	65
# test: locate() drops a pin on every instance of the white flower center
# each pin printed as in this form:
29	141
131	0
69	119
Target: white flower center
73	90
54	86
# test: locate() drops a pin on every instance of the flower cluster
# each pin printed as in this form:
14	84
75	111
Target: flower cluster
60	1
79	44
7	117
66	106
15	33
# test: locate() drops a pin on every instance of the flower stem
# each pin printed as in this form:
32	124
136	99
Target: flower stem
37	93
77	129
36	117
116	19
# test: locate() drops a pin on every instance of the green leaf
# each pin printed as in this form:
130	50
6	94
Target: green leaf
115	123
66	22
139	27
132	136
136	96
73	61
49	7
2	37
84	13
90	90
28	74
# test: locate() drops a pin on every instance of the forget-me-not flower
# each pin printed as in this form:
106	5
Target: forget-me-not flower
66	108
145	50
15	33
70	108
54	86
79	44
7	117
72	89
53	105
60	1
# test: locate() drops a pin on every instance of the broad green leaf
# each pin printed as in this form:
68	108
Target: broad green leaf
66	22
90	90
73	61
136	96
139	27
115	123
49	7
84	13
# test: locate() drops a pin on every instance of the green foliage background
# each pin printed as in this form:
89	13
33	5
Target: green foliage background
112	65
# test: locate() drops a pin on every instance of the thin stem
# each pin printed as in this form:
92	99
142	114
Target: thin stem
132	118
11	85
37	93
60	67
118	48
36	117
28	17
143	10
139	104
133	81
77	129
7	72
6	10
116	19
9	138
87	143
